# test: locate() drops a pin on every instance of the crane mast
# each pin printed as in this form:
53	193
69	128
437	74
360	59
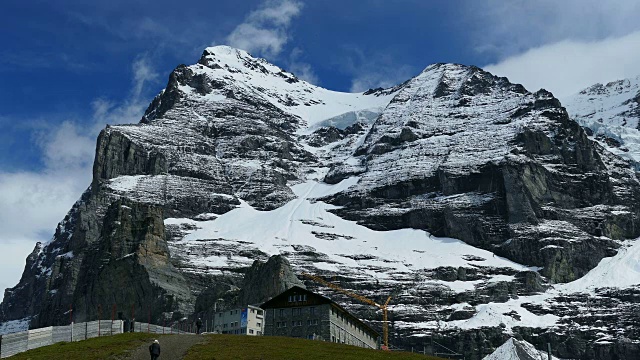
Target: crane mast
383	307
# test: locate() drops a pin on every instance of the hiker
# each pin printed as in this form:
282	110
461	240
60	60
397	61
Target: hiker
154	350
198	325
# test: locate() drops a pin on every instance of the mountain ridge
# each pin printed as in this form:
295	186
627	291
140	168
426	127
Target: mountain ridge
233	162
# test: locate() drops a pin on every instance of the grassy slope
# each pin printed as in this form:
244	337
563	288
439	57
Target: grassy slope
223	347
105	347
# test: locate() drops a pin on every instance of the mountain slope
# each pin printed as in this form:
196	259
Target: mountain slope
611	113
463	196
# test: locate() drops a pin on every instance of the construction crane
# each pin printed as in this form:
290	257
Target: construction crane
383	307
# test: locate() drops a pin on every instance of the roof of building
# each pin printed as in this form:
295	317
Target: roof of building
271	303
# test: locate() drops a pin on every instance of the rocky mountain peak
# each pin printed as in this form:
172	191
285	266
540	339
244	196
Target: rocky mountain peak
464	196
239	61
611	115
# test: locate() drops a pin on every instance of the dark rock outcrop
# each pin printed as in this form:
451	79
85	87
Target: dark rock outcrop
265	280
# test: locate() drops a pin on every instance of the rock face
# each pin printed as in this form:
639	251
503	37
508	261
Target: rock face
463	196
610	113
468	155
265	280
106	251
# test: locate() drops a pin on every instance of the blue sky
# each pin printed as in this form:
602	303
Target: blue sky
68	68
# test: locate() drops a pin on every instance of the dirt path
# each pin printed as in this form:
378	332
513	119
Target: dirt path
172	347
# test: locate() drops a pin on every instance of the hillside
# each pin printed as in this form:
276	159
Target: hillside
223	347
133	346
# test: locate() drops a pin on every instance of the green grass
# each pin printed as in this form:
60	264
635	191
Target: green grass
223	347
104	347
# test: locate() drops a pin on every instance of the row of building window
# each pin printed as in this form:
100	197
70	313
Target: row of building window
259	312
298	311
337	329
232	312
235	324
297	298
294	323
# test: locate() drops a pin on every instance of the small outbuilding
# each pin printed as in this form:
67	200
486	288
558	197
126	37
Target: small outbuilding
301	313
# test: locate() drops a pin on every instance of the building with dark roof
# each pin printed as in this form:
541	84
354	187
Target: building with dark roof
301	313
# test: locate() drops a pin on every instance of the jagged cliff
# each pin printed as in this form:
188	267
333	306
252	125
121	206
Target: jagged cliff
464	196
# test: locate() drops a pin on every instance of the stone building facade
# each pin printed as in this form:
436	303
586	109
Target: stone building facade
301	313
243	321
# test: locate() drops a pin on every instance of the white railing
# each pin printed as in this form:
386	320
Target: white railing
15	343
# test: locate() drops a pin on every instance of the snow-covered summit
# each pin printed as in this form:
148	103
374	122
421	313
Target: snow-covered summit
458	193
223	71
514	349
611	112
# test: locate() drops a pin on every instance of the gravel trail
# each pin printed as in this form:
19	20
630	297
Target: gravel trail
172	347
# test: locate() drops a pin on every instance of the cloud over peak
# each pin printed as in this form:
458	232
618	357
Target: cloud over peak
264	31
569	66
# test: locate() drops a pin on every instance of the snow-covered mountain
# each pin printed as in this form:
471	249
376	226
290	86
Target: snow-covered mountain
482	208
611	112
514	349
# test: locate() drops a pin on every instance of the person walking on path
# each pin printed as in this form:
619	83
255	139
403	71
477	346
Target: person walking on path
198	325
154	350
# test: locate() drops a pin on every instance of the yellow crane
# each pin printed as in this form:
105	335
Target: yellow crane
383	307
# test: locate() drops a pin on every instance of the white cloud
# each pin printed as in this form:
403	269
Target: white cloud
33	202
264	31
142	74
566	67
506	28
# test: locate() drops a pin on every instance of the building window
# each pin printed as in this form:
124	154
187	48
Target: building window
250	331
259	312
295	311
281	312
312	310
258	324
259	333
296	323
224	325
291	298
252	311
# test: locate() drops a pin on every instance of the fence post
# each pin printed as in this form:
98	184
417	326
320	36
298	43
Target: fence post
113	315
0	345
71	319
99	316
149	323
86	329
